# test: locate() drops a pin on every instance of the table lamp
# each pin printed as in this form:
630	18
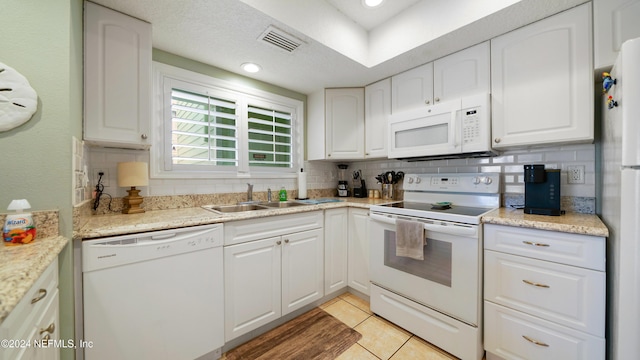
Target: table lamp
133	174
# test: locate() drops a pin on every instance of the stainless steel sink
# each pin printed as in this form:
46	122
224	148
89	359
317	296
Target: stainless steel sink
282	204
242	207
234	208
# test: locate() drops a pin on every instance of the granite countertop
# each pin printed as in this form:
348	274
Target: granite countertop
121	224
585	224
21	266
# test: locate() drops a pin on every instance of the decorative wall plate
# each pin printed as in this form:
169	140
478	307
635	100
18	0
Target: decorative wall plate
18	100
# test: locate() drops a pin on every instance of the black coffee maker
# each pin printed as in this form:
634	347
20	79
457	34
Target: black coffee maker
541	190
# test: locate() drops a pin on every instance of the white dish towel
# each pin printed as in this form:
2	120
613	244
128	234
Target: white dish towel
410	239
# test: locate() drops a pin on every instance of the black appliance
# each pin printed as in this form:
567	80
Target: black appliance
541	190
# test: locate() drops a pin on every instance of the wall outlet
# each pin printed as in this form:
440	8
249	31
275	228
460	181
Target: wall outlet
575	174
96	176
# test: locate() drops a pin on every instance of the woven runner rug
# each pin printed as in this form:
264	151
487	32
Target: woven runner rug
312	335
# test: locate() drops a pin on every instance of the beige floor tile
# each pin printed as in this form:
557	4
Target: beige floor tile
357	302
328	302
346	313
381	337
356	352
417	348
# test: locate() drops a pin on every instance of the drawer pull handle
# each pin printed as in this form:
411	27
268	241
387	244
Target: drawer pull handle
50	329
41	294
535	244
535	284
539	343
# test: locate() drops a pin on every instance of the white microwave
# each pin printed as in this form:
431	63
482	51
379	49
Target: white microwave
450	129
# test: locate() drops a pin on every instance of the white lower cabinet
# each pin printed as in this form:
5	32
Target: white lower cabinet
358	250
34	322
544	294
336	232
266	278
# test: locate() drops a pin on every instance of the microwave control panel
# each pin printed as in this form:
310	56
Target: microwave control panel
470	126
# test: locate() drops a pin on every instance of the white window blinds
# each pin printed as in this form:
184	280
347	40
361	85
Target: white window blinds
204	130
270	142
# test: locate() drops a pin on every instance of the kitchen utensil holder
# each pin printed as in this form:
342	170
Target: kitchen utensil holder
388	191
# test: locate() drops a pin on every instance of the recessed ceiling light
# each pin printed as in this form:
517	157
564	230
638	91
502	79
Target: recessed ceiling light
372	3
250	67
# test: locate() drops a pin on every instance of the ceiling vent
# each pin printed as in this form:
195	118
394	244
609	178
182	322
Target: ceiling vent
280	39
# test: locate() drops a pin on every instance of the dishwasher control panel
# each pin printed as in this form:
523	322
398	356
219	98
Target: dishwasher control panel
120	250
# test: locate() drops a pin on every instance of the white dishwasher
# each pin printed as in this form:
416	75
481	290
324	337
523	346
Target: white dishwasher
155	295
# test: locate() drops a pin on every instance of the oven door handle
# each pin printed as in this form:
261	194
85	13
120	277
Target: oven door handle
445	229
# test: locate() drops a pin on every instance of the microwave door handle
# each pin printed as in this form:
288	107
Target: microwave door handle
456	127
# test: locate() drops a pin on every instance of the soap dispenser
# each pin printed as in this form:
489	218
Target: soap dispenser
283	194
19	227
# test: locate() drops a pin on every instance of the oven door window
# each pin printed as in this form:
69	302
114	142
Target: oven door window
435	267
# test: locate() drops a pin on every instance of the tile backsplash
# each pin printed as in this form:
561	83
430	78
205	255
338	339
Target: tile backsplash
323	175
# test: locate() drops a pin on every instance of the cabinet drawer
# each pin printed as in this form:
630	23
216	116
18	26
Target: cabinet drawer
511	334
568	295
237	232
569	249
24	315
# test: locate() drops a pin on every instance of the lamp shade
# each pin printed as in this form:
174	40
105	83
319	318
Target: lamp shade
133	174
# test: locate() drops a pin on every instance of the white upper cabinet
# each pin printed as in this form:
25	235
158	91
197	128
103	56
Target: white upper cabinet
117	78
412	88
466	72
542	82
377	108
615	22
344	123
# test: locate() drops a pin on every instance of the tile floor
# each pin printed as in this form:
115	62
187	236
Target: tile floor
380	338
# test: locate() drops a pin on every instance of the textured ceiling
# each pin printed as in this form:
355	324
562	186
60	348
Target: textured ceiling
337	40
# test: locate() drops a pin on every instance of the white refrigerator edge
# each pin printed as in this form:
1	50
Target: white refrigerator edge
621	203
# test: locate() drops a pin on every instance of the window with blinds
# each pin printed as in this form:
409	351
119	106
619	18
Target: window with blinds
211	128
269	138
204	130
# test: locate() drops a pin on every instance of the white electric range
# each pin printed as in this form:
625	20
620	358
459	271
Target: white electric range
438	298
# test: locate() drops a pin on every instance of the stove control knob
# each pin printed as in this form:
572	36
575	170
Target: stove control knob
488	180
418	180
410	180
476	180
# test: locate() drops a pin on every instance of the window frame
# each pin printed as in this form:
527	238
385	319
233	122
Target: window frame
166	77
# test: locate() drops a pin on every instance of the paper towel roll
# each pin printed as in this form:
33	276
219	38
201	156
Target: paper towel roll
302	184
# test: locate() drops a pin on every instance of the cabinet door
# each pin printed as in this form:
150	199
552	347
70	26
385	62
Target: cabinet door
344	116
359	250
117	78
466	72
542	82
615	21
252	292
377	108
302	269
336	234
412	88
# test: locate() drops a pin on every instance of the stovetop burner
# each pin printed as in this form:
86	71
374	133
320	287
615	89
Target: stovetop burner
435	207
462	197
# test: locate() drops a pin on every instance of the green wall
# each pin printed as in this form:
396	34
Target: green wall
43	40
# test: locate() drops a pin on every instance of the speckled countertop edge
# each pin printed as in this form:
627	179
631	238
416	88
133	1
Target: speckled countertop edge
120	224
21	266
576	223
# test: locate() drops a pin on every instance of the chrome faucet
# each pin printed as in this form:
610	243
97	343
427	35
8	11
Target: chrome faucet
249	192
268	194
